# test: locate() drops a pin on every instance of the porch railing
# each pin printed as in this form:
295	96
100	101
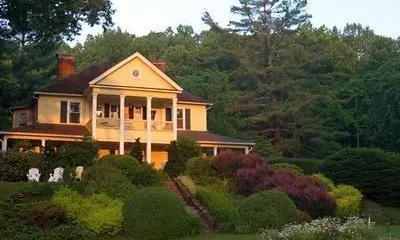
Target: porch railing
133	124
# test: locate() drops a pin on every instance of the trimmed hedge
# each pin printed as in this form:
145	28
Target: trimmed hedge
268	209
308	165
375	172
157	213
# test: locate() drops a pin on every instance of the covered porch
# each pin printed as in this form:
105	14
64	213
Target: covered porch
123	118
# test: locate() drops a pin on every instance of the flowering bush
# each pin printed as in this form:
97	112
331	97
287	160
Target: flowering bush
226	164
306	192
323	229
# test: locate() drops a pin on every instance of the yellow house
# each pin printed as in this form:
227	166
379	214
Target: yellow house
116	104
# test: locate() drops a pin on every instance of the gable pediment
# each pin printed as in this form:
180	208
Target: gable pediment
136	72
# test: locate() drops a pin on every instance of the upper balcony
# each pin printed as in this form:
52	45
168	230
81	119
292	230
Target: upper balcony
131	113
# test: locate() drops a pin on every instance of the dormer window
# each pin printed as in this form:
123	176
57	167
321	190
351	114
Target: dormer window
136	74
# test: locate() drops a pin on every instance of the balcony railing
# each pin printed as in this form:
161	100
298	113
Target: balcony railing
133	124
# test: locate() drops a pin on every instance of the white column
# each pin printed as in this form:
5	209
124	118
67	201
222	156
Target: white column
43	142
174	118
4	144
94	115
121	124
215	151
148	127
247	150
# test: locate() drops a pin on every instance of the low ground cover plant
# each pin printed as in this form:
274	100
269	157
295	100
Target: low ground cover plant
221	204
98	212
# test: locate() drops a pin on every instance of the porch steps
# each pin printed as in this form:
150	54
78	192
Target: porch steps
192	205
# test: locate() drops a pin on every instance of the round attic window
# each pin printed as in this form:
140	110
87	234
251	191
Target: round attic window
136	74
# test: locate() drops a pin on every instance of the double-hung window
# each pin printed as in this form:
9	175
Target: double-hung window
184	119
74	112
23	119
70	112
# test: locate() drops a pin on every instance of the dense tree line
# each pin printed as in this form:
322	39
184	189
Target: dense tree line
297	90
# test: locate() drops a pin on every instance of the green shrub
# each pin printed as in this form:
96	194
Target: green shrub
375	172
221	204
380	214
157	213
308	165
113	184
326	181
268	209
13	166
200	171
138	174
46	215
82	153
179	152
348	201
98	212
288	166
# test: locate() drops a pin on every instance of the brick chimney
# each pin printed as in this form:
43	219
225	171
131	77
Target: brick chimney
65	65
162	65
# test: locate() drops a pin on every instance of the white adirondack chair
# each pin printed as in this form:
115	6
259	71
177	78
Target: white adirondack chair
57	176
33	175
79	173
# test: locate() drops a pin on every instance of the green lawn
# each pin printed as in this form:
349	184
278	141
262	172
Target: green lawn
394	230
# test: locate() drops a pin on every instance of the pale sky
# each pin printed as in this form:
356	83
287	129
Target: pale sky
140	17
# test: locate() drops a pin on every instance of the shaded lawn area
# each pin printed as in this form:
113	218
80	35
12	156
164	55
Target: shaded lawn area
394	230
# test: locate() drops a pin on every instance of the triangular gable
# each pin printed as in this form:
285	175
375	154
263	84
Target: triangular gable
150	76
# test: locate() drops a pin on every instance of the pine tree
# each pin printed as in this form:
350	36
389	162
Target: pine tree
269	19
175	164
136	151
